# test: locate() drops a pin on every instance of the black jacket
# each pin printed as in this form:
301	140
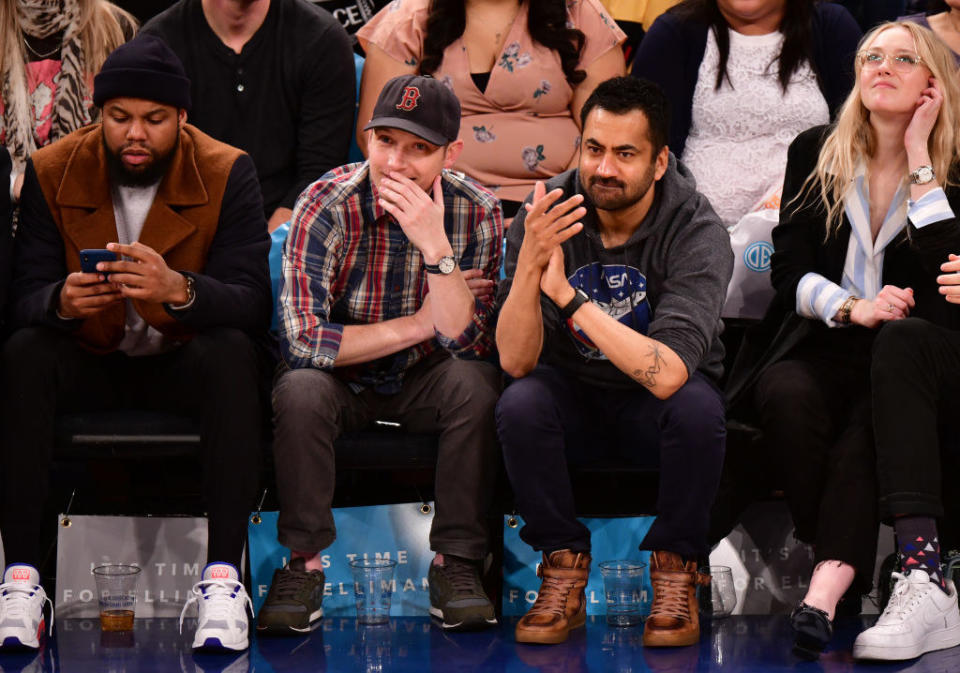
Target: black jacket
912	260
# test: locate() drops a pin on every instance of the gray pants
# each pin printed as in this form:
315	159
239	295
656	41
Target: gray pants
452	398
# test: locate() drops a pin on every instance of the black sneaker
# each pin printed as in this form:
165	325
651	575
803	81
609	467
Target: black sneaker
294	603
457	598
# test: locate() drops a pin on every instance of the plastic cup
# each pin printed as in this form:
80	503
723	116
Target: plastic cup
373	588
117	592
720	598
623	587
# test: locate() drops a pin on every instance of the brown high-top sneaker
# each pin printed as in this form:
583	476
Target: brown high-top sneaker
561	604
673	619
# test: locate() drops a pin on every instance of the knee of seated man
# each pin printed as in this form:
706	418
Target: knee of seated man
30	349
225	355
225	344
299	392
473	383
524	400
696	403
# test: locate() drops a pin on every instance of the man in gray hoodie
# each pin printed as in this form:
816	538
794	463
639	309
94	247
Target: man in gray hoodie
610	324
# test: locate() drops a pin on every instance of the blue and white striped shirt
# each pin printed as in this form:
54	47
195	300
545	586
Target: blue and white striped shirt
819	298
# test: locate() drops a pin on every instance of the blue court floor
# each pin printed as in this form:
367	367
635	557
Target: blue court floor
736	644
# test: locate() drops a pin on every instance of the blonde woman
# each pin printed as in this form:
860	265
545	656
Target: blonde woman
49	52
870	203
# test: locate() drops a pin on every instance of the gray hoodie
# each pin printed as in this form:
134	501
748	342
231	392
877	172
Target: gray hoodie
668	281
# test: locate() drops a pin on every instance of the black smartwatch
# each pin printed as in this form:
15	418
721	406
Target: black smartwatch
579	299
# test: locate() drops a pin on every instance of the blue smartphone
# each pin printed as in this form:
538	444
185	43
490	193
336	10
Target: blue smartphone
90	257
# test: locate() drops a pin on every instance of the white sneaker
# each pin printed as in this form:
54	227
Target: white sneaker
222	604
21	608
919	618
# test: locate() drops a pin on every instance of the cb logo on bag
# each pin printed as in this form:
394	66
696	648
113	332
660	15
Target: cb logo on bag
757	256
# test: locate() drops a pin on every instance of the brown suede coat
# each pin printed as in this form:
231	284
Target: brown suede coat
180	225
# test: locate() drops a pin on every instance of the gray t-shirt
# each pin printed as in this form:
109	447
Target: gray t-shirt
130	208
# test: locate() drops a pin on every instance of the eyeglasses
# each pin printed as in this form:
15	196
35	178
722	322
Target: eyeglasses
873	60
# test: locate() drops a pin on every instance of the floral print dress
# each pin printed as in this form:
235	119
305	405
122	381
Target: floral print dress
519	129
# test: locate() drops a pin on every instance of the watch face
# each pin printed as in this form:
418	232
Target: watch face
447	265
923	175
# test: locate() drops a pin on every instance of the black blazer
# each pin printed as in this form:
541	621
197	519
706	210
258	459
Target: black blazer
912	260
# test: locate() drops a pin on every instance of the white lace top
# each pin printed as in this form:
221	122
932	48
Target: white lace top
738	140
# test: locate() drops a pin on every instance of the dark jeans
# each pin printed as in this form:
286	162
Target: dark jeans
454	398
915	380
213	377
815	413
549	420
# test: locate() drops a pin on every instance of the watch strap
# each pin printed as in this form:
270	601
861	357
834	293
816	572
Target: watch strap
436	268
579	299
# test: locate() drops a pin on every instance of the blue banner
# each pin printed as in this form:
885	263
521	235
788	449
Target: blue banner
610	539
398	532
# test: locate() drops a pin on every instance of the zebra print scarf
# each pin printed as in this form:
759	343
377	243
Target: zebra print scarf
40	19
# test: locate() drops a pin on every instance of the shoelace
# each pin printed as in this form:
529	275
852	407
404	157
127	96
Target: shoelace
16	600
461	576
670	599
553	595
897	604
290	583
219	597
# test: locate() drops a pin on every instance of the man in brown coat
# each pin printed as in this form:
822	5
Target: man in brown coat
172	324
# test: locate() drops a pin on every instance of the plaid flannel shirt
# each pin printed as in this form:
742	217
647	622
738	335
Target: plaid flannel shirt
348	262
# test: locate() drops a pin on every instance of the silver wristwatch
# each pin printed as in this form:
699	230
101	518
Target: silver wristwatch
445	265
922	175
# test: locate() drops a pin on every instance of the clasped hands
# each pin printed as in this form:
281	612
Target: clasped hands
894	303
141	273
547	225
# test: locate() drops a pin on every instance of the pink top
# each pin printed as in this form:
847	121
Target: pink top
520	129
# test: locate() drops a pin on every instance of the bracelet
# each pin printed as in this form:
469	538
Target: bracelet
843	315
191	295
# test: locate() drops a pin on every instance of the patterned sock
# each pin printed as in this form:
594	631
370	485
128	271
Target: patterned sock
920	546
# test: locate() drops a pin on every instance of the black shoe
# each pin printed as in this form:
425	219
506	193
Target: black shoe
294	603
812	631
457	598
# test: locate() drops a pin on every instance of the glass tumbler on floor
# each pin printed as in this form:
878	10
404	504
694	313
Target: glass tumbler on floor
373	588
623	587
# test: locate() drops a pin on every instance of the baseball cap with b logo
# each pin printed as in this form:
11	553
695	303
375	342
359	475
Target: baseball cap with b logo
421	105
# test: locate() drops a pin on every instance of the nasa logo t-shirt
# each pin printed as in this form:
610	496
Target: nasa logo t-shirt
620	291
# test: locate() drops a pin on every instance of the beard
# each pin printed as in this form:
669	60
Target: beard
613	194
143	175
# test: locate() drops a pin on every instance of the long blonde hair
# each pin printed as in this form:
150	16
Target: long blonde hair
103	28
853	140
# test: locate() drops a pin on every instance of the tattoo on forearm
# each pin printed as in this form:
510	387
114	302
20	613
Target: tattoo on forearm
648	377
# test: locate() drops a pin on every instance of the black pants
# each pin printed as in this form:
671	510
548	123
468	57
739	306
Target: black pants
915	379
548	420
454	398
815	413
213	377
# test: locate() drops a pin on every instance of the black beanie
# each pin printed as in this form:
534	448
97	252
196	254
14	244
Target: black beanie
145	67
